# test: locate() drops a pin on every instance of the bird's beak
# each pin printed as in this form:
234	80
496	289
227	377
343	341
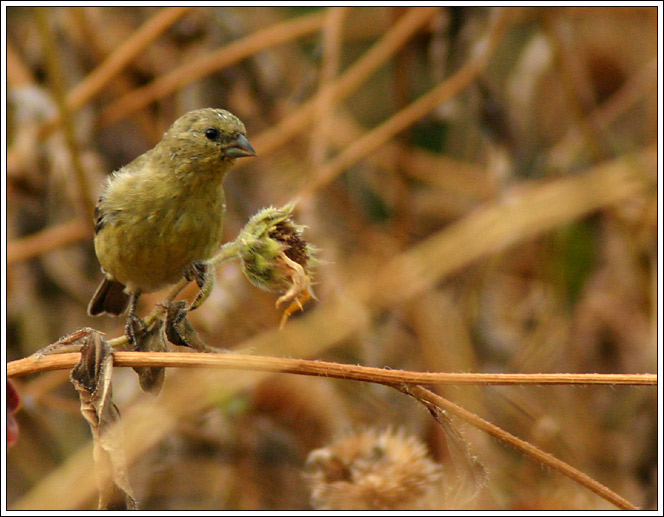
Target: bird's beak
240	148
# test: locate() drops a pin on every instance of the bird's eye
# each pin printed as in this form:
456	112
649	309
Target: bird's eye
211	133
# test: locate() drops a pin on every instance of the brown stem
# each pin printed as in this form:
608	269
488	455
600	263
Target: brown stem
34	364
46	240
412	113
116	62
205	65
429	397
55	72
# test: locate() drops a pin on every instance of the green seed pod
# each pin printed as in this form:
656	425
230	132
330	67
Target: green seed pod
275	257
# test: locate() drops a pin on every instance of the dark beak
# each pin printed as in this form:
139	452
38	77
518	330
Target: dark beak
240	148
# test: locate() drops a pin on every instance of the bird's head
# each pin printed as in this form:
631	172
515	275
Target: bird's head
208	135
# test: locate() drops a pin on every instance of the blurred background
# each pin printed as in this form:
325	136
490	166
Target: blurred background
407	134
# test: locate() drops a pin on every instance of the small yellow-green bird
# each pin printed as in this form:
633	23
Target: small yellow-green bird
160	217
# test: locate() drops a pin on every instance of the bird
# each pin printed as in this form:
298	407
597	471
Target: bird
160	217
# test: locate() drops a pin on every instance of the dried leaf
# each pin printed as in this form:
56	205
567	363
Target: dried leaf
151	378
69	343
180	332
92	379
464	472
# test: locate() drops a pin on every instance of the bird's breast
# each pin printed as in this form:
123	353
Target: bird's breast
149	249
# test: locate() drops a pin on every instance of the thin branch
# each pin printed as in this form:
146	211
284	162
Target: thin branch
413	112
55	72
46	240
395	378
346	83
462	177
576	83
103	51
116	62
208	63
18	73
641	83
500	224
233	361
421	393
332	42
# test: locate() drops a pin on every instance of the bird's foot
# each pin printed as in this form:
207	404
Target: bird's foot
197	270
203	273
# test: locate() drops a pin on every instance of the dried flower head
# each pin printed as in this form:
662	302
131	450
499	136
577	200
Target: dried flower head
371	470
276	258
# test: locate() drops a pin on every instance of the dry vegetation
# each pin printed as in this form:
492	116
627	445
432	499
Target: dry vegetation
480	185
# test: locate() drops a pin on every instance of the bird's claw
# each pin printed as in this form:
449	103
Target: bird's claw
203	273
197	270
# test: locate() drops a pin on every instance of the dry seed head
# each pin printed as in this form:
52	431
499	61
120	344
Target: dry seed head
275	257
371	470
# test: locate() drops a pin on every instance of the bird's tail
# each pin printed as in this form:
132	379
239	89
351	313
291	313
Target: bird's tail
110	298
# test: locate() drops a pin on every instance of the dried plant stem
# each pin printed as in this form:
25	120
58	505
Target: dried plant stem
208	63
101	49
126	53
55	71
466	178
49	239
233	361
332	42
413	112
116	62
576	83
346	83
527	448
636	87
503	223
18	73
395	378
561	155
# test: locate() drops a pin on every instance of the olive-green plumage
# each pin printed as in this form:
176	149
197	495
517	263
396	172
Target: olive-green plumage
165	209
